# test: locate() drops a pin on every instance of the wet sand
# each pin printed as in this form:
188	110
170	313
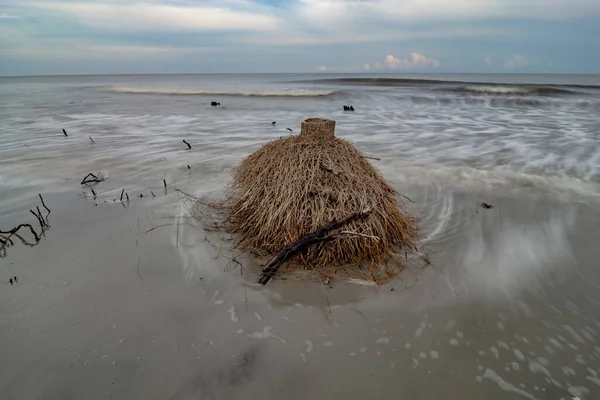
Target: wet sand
507	310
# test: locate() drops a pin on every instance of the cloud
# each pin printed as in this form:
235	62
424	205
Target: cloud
154	17
415	60
297	35
72	49
325	12
369	67
517	61
8	16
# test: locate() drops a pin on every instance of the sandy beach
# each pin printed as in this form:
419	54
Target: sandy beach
104	310
133	300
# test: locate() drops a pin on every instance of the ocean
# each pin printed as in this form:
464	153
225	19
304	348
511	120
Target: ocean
133	299
532	133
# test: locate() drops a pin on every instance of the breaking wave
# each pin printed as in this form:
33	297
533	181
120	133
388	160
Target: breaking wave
514	90
221	92
467	87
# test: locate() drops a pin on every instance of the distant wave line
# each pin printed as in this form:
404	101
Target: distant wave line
222	92
465	84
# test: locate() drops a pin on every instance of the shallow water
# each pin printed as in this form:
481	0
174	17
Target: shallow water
430	133
105	309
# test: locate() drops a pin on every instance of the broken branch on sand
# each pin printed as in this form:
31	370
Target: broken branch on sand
5	236
44	204
65	132
39	218
92	140
188	145
16	229
319	236
89	178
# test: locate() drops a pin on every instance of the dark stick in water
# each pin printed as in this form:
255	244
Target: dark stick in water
65	132
39	219
44	204
188	145
93	178
92	140
122	191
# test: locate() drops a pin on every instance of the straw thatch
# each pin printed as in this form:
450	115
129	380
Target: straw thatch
295	185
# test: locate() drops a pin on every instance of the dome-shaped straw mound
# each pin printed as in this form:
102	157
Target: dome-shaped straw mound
296	185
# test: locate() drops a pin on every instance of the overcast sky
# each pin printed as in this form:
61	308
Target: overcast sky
208	36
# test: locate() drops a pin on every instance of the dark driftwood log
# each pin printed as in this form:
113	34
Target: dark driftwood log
188	145
92	140
89	178
319	236
65	132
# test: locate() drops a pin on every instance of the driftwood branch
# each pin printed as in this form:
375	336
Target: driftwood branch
16	229
39	218
92	140
188	145
65	132
89	178
5	236
44	204
373	158
319	236
407	198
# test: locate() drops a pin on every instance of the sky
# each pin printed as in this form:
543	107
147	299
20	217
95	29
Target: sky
56	37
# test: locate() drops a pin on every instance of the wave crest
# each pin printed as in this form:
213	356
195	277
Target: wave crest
221	92
514	90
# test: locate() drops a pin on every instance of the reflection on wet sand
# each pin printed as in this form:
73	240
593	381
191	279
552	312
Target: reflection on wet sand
507	309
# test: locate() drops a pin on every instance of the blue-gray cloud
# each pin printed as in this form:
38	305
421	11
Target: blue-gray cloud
131	36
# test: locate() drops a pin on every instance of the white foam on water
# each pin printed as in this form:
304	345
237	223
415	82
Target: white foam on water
519	355
266	334
309	346
219	92
504	385
233	314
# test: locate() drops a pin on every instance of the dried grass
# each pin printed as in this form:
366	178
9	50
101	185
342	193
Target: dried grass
295	185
